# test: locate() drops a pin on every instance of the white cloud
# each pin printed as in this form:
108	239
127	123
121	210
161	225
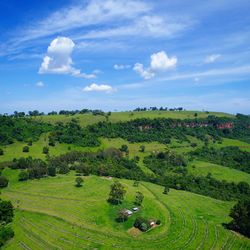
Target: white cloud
148	25
121	66
144	73
58	59
82	15
40	84
212	58
159	62
99	88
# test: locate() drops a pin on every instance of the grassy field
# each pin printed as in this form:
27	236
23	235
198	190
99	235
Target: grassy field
87	119
201	168
51	213
232	142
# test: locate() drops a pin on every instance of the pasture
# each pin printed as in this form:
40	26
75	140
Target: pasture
88	119
202	168
51	213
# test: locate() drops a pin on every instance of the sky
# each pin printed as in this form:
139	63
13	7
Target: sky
122	54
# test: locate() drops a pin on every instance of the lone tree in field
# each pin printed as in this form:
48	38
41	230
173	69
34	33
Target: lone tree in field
45	150
166	190
124	148
79	181
142	148
3	182
122	215
1	151
241	217
138	198
26	149
117	193
136	183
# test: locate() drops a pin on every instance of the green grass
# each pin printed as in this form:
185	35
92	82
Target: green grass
51	213
201	168
15	150
88	119
233	142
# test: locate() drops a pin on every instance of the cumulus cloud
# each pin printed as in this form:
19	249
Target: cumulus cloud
58	59
40	84
99	88
144	73
121	66
159	62
212	58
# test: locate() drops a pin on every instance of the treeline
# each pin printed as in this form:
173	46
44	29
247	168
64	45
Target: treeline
170	170
24	129
231	157
154	108
104	163
32	113
73	133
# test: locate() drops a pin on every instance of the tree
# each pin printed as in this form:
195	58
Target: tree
1	151
45	150
142	148
52	142
124	148
122	215
136	183
30	143
78	181
117	193
3	182
138	198
241	217
166	190
51	171
26	149
23	176
6	212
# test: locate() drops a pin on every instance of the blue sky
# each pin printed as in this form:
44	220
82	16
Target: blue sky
118	55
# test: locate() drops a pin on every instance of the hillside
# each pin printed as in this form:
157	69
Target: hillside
52	214
88	119
203	159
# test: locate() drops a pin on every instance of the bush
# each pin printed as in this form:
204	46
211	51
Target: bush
23	176
78	181
26	149
51	171
6	233
142	224
6	212
158	222
241	217
1	151
45	150
3	182
30	143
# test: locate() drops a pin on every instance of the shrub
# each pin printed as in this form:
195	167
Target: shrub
3	182
51	171
45	150
6	233
158	222
142	224
23	176
1	151
78	181
26	149
6	212
29	143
